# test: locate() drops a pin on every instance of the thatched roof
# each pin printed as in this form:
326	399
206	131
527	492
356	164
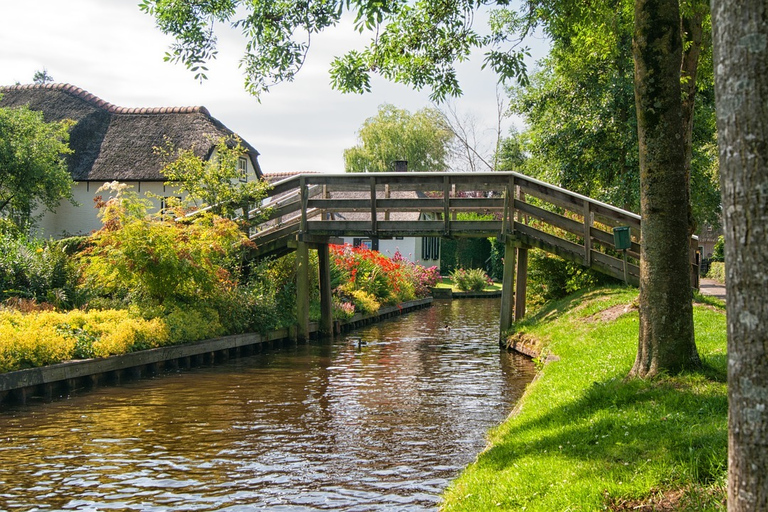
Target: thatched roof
116	143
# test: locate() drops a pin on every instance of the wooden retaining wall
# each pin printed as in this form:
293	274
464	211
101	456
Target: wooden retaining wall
58	380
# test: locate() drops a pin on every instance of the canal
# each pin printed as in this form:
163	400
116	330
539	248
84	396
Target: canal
383	422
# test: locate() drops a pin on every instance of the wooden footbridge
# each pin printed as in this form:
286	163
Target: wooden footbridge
309	211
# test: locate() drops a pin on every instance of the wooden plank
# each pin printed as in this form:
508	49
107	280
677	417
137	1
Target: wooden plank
283	186
556	245
302	292
446	205
587	234
558	221
373	204
607	214
507	288
552	195
326	301
521	284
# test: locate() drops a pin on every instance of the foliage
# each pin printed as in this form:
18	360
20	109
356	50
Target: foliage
717	271
718	252
33	269
474	279
468	252
33	339
157	260
213	182
42	77
383	280
416	43
33	170
395	134
586	438
551	278
581	117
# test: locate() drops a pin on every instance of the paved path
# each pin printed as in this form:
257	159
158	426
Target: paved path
712	287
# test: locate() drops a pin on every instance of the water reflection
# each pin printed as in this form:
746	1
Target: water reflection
379	426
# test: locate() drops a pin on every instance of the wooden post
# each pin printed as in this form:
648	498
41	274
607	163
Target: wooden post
508	281
326	302
302	292
587	234
374	227
446	206
522	282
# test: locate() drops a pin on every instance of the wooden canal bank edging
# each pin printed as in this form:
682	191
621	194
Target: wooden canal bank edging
56	380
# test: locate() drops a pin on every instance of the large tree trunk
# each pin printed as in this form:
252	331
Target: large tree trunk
666	340
740	37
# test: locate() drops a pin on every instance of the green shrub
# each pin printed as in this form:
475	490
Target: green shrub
34	269
718	252
551	277
717	271
474	279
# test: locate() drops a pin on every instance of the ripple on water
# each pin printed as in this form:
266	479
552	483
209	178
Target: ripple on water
383	426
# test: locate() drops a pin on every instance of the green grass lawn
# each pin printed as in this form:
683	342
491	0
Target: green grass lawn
446	282
585	438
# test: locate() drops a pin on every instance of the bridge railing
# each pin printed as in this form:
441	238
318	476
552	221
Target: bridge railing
383	205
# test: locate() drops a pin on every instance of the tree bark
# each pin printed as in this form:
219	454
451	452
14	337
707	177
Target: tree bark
666	342
740	38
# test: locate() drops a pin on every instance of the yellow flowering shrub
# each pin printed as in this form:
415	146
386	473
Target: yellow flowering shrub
364	301
29	340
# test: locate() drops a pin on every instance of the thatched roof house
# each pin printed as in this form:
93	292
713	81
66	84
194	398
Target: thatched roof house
116	143
113	143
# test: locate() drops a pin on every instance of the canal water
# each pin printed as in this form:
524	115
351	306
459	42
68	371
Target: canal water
383	423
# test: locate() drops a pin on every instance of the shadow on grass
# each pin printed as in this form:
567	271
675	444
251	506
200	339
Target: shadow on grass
675	424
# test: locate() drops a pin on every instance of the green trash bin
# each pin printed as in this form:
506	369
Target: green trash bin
621	238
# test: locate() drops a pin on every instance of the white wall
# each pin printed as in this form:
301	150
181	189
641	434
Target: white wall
69	220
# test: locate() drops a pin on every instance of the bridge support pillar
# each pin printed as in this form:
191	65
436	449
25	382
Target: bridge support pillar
326	302
302	292
508	283
521	284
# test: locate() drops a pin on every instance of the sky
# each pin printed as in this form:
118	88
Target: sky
114	51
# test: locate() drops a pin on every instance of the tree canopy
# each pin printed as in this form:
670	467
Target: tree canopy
395	134
415	43
582	123
33	170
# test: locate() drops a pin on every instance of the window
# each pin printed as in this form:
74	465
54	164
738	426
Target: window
430	248
242	166
362	242
168	202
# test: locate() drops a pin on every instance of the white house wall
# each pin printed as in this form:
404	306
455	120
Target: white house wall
69	220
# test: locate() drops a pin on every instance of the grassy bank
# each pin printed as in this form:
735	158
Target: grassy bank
584	438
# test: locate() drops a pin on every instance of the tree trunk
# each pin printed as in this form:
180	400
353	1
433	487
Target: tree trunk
740	34
666	340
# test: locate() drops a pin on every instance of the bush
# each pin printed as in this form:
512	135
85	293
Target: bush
29	340
474	279
717	271
33	269
718	252
551	277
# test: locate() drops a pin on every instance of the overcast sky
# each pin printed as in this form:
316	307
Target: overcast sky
113	50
